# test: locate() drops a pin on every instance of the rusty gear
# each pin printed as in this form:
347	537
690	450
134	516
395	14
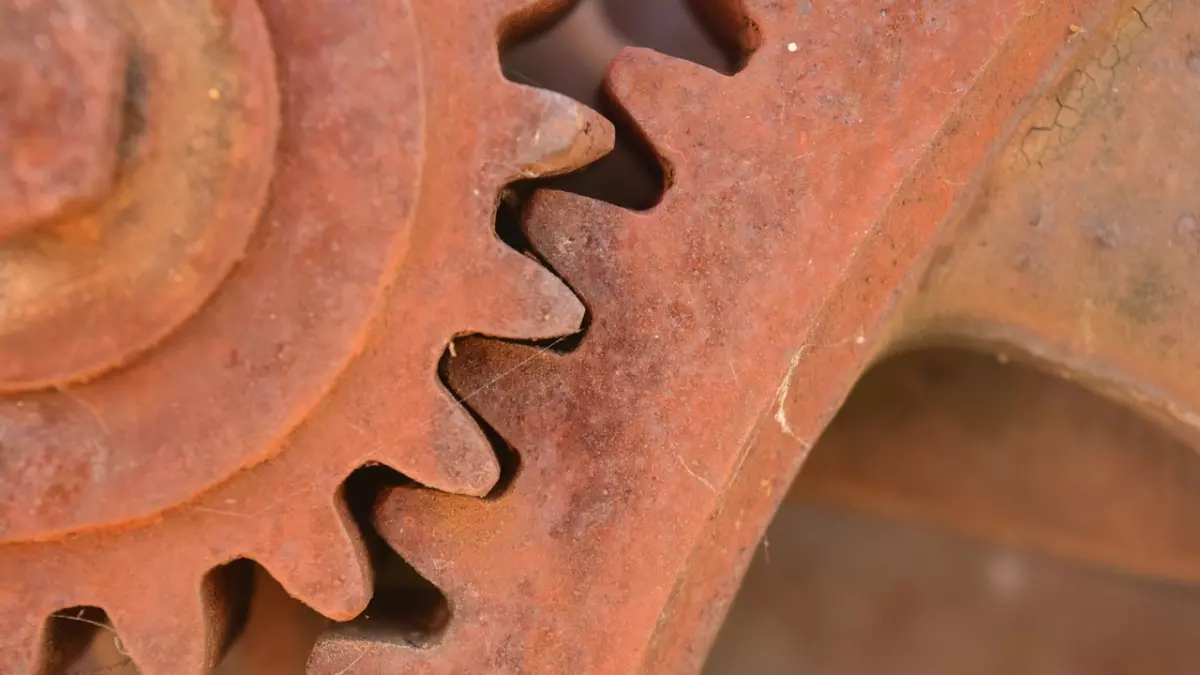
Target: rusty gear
200	411
273	286
729	322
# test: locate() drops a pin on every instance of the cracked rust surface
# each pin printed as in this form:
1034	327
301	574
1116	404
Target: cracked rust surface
1084	263
1093	83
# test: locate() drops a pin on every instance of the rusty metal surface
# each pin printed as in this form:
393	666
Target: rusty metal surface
802	191
721	554
318	353
173	131
62	69
1013	455
1079	250
838	594
1076	254
348	158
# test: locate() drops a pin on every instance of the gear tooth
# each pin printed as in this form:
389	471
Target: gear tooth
576	235
23	647
184	638
558	135
497	378
520	299
460	460
402	517
335	579
645	82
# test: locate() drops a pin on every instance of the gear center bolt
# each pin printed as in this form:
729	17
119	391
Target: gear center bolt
195	237
137	147
62	82
121	155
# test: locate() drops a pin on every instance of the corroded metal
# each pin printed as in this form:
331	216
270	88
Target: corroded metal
360	252
175	129
62	80
1079	249
728	323
863	184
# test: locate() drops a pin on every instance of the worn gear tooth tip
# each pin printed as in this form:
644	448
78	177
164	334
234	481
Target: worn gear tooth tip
625	67
462	460
334	579
567	135
478	479
550	309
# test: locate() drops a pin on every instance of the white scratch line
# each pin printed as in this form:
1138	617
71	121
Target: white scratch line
536	355
785	389
353	663
693	474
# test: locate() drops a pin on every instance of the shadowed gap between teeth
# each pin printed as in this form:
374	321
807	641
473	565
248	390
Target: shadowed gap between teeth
279	632
405	608
268	630
82	640
571	52
545	55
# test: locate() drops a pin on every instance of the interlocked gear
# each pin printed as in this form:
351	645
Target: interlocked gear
299	219
728	323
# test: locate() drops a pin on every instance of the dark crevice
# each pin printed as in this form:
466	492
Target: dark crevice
1141	17
509	460
405	608
571	52
717	34
632	176
133	111
509	227
82	641
276	633
233	584
508	216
